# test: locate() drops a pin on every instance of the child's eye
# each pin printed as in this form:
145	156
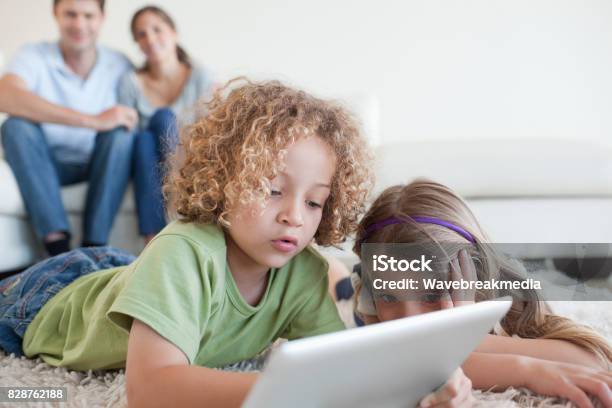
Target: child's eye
313	204
388	298
431	297
275	192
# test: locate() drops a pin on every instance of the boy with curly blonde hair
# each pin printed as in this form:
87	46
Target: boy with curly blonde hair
267	171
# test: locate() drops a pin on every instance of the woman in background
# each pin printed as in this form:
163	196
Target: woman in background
169	84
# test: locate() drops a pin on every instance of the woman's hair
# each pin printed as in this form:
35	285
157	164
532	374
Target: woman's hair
181	54
529	317
228	157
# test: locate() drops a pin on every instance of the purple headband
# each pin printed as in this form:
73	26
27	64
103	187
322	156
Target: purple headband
422	220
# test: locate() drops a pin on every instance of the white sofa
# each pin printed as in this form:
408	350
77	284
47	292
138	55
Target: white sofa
522	190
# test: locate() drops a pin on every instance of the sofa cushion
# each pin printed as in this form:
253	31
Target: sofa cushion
73	196
501	168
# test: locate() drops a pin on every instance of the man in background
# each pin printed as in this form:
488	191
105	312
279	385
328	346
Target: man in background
65	125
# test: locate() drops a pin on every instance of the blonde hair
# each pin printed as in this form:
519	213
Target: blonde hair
529	317
228	157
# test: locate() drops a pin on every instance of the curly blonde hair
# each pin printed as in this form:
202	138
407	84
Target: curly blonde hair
228	157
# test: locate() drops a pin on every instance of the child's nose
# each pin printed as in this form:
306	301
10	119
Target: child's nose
291	215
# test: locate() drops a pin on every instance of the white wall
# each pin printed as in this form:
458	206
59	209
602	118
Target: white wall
441	69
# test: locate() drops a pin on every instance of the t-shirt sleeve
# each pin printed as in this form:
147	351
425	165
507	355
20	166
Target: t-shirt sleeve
319	315
170	291
126	91
204	82
127	64
27	64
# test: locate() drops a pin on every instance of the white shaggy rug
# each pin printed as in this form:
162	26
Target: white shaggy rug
106	389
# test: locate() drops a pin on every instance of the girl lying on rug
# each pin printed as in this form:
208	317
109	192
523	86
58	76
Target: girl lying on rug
549	354
265	172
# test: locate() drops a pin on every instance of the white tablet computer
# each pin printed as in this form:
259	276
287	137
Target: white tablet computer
390	364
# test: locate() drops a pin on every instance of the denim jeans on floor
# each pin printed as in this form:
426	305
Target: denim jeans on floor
23	295
151	147
40	175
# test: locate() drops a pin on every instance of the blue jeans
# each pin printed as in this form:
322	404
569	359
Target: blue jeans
40	176
23	295
151	147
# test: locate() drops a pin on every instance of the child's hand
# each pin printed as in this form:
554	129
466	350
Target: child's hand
455	393
568	380
461	267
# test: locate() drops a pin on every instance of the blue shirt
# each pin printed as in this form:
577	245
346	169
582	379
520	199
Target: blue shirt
43	69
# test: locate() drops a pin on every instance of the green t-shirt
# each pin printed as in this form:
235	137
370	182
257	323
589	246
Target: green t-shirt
182	288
